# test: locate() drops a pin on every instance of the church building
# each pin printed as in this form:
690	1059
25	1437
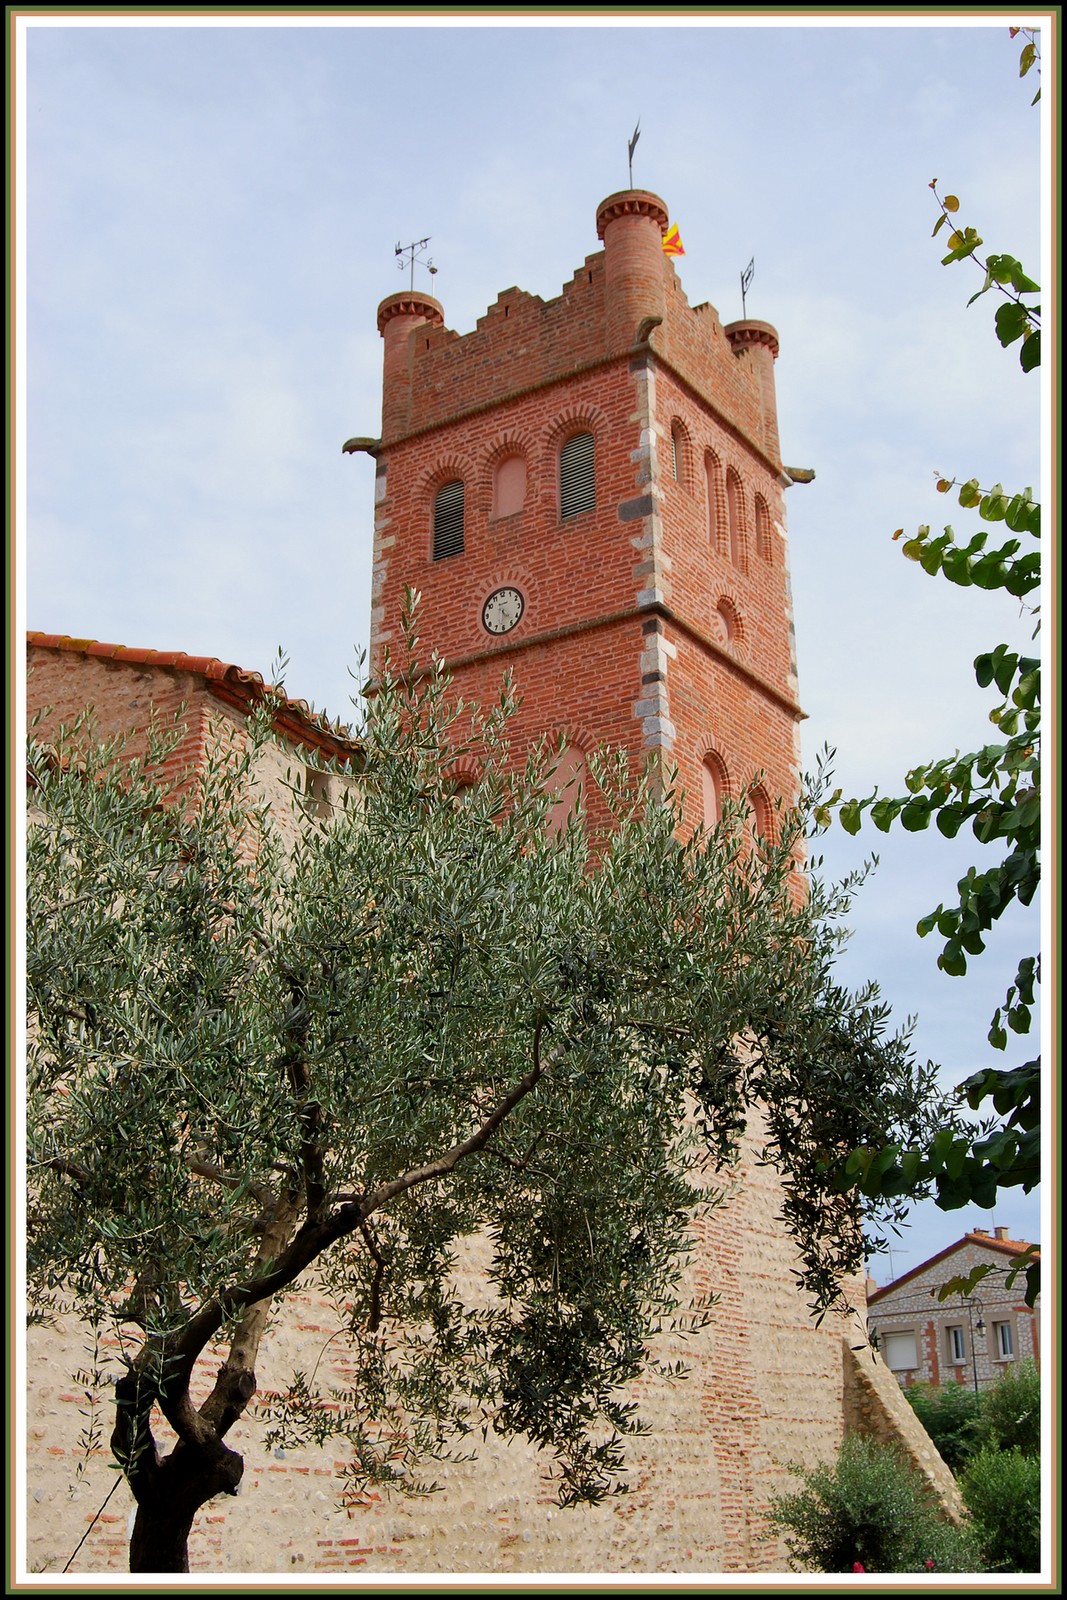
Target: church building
587	492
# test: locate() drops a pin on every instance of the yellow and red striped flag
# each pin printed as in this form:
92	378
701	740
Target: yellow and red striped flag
672	242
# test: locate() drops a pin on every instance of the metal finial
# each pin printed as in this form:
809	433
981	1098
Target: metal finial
413	252
631	147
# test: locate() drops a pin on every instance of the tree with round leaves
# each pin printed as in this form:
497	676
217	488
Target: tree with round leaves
996	791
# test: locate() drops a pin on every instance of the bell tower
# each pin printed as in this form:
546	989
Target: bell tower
588	491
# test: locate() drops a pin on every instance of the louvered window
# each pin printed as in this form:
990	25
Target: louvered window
577	485
677	449
448	520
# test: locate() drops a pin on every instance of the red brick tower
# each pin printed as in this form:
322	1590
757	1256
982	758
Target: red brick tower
588	491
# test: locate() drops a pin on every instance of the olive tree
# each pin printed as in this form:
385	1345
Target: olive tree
435	1017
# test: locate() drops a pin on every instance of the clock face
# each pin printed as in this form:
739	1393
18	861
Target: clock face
503	610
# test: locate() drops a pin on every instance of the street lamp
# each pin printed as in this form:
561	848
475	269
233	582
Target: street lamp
971	1301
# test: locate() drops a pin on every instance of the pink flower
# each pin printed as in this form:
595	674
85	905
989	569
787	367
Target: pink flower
929	1563
857	1566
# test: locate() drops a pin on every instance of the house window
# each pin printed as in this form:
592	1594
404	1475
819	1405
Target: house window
577	484
1005	1342
509	486
900	1352
448	520
316	792
956	1347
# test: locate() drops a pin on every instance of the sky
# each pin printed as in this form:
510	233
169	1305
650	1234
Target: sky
207	220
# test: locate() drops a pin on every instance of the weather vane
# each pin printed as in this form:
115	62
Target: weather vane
631	147
413	252
746	278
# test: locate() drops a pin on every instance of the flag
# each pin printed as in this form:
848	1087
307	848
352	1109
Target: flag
672	242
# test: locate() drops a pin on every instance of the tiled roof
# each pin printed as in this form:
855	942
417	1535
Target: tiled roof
230	683
1005	1247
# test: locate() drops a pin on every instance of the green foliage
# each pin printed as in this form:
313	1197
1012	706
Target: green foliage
995	791
1006	1417
870	1507
427	1019
1030	54
1002	1490
1011	1411
949	1413
1016	318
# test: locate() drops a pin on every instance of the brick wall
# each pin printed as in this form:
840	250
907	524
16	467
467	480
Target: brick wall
765	1388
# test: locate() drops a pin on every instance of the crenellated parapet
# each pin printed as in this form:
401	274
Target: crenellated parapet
623	299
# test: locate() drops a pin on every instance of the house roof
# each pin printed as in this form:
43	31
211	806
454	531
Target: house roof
233	685
1003	1247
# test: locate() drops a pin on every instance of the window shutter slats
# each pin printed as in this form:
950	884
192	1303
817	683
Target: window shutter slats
577	484
448	521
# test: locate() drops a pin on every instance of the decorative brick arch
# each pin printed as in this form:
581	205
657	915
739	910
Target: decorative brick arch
762	816
463	772
571	420
451	468
736	520
714	779
728	623
764	530
715	492
512	442
497	496
569	774
444	470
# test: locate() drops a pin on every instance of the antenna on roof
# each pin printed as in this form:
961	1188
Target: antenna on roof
631	147
746	278
413	252
892	1263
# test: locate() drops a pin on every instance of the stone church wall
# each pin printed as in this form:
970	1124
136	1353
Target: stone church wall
765	1388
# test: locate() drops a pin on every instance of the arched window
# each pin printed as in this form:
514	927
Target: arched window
735	512
713	488
761	818
713	784
448	520
764	543
509	486
567	782
678	452
577	482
